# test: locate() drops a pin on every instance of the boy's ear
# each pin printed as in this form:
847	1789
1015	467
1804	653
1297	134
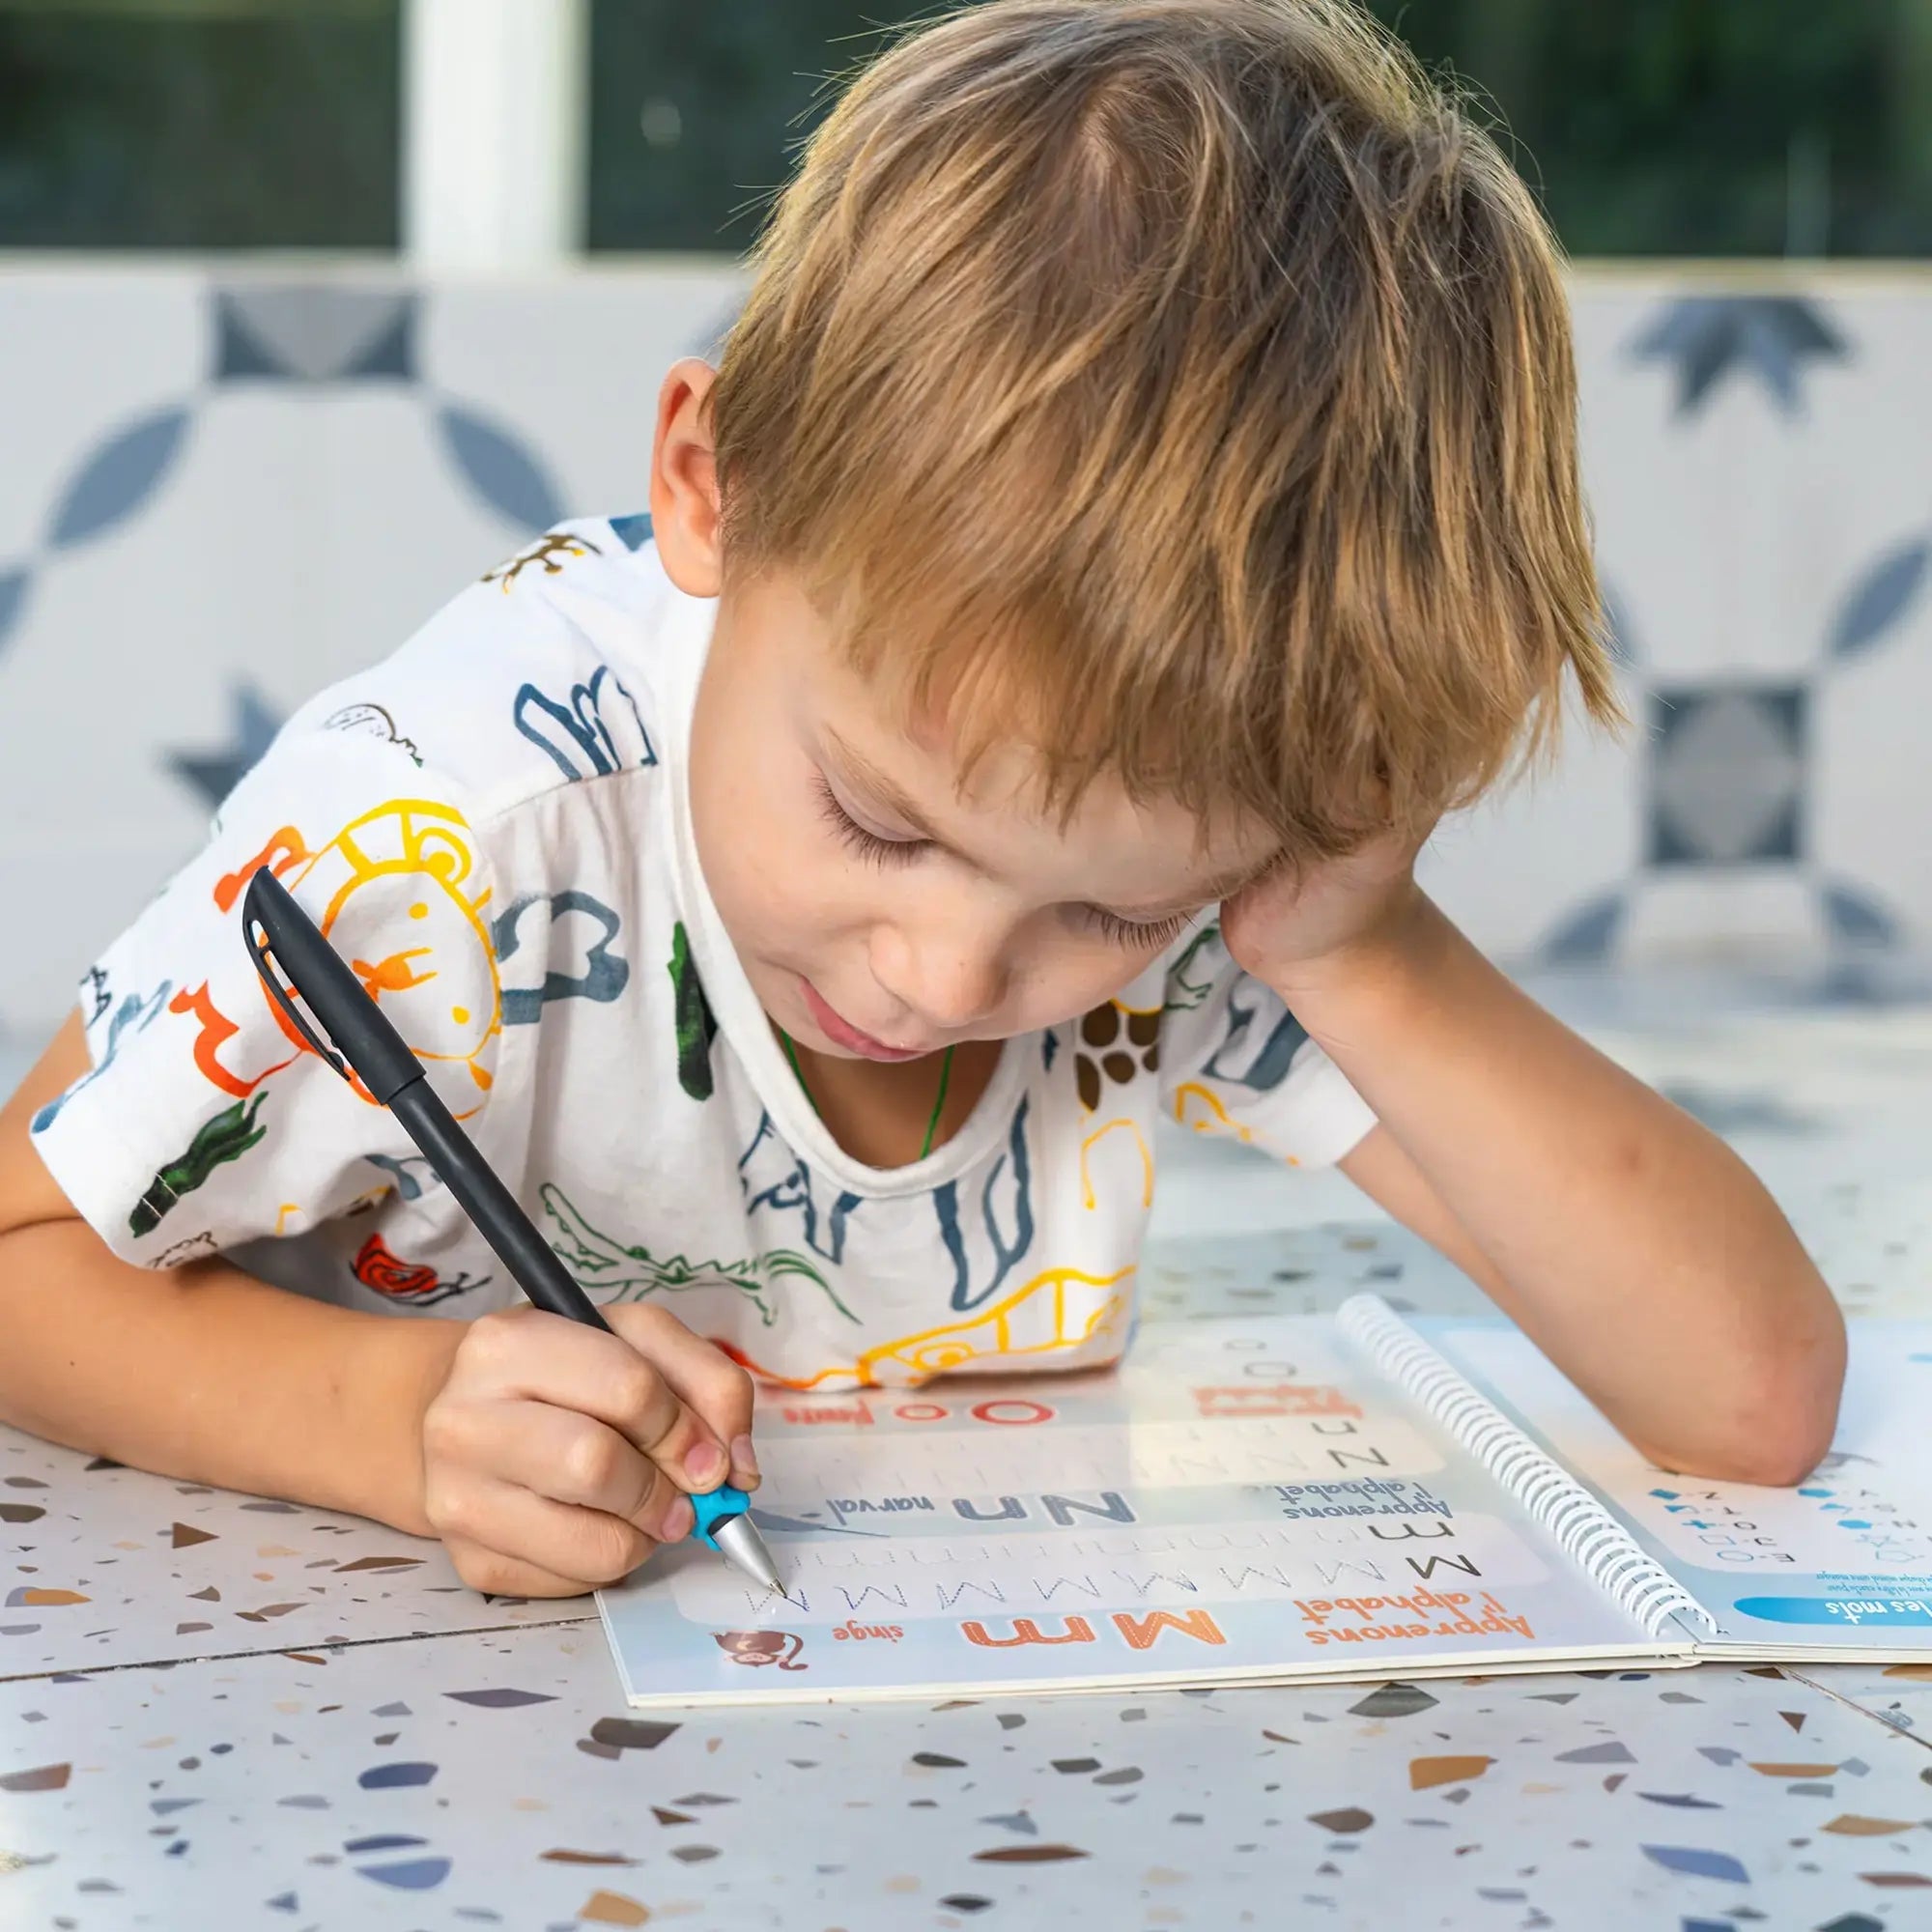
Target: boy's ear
684	481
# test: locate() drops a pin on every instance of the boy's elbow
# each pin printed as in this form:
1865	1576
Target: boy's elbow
1782	1450
1774	1426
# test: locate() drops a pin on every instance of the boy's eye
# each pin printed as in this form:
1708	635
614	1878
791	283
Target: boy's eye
1150	935
867	845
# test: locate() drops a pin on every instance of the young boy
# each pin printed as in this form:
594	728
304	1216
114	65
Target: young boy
1139	498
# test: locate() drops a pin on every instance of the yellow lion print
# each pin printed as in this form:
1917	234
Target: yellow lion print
412	865
426	855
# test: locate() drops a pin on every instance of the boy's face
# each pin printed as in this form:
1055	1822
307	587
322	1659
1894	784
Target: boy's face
879	910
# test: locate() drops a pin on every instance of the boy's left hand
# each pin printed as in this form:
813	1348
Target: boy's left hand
1293	930
1628	1243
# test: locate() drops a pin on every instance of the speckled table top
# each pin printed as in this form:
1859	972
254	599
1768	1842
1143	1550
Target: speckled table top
216	1712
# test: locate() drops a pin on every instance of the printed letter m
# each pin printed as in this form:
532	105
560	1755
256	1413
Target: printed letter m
1141	1631
1026	1630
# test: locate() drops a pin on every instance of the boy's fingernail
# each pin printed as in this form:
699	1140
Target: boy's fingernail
744	1462
704	1465
678	1520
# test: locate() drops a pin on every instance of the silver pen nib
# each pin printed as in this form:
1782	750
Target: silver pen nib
744	1549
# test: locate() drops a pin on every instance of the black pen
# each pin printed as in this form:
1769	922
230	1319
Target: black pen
280	934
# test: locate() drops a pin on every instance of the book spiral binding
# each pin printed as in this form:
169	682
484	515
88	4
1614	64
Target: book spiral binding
1599	1545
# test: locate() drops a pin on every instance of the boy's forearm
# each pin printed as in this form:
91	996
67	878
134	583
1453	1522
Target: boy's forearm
211	1375
1632	1244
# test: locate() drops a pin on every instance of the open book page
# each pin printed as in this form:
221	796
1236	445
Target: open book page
1244	1500
1843	1561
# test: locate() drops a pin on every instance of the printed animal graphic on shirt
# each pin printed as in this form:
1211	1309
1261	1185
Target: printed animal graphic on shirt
1115	1042
1201	1108
409	1283
1183	993
191	1248
691	1017
550	551
991	1232
590	733
772	1175
601	1262
227	1136
404	1175
1262	1040
573	966
372	720
133	1015
1062	1309
406	872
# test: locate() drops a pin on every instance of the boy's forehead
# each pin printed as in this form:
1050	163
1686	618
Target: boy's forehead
966	760
1119	849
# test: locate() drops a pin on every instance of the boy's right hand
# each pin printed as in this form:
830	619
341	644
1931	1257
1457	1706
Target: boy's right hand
557	1458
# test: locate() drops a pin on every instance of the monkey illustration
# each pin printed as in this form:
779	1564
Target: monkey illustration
546	550
756	1647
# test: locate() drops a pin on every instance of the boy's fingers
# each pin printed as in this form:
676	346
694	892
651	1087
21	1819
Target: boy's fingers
546	1358
497	1575
712	1386
572	1458
557	1538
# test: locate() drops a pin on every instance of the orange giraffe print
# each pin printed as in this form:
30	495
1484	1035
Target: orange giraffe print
214	1031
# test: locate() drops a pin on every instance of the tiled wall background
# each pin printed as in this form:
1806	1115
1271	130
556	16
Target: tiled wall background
222	488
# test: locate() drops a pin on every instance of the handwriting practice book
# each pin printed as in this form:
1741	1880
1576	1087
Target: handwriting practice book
1277	1500
1840	1565
1241	1500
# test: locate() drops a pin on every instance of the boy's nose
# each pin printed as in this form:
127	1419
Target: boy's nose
949	982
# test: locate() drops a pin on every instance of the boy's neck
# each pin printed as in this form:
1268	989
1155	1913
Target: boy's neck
879	1113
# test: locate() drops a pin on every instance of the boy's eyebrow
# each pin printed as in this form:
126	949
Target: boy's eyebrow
888	791
1211	892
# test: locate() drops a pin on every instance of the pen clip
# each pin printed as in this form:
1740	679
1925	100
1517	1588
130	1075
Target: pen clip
255	933
360	1043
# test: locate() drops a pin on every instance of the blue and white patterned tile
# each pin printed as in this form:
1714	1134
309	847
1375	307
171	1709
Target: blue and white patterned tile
1514	867
84	352
1715	520
577	380
1871	790
1772	528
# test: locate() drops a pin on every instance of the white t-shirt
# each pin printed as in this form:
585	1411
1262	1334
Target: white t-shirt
494	825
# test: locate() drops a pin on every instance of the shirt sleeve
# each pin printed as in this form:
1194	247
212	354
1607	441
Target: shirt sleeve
1236	1060
204	1121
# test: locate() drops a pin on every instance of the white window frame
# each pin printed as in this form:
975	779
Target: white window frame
494	133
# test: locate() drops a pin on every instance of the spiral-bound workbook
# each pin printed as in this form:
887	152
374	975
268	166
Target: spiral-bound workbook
1280	1501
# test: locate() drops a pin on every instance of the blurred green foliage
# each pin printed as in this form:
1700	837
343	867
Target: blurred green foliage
169	124
1649	127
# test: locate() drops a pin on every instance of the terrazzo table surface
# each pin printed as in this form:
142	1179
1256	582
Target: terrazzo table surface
223	1713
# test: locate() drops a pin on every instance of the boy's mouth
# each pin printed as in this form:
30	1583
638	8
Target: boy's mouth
842	1034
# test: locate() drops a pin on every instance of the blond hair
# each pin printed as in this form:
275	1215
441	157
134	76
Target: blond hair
1185	388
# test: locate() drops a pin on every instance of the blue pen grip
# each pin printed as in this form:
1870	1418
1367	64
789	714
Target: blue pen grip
708	1512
